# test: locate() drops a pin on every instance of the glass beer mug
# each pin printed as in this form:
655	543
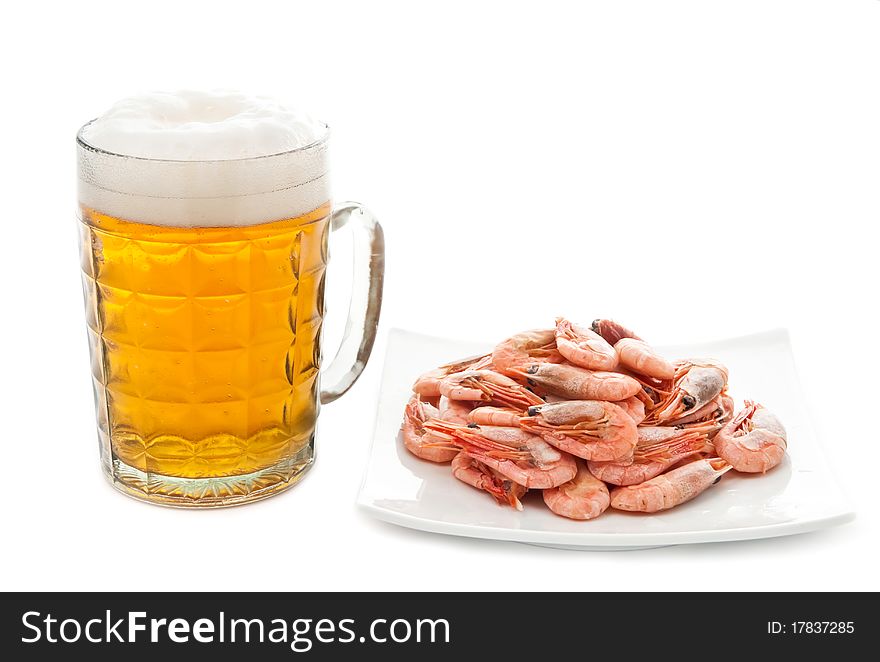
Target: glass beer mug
204	244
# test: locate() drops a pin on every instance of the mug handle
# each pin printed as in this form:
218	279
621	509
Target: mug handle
368	273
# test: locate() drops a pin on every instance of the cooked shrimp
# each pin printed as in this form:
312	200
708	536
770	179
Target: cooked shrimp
454	411
536	346
477	362
639	356
487	386
658	449
584	347
524	458
583	497
428	383
754	441
476	474
498	416
670	489
634	407
416	438
577	411
578	383
590	429
697	382
612	332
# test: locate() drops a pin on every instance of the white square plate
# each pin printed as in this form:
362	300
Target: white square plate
799	495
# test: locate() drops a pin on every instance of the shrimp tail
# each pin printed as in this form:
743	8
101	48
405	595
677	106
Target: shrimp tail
513	500
500	494
611	331
720	466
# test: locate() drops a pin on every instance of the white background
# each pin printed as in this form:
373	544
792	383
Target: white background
695	169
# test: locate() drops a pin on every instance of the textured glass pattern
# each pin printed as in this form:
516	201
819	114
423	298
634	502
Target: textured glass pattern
205	352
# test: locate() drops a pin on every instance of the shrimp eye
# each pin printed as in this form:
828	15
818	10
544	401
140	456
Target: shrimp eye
595	326
473	426
532	369
715	482
534	411
688	401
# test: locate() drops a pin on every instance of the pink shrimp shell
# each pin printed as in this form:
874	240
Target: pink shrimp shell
670	489
584	347
415	439
584	497
757	451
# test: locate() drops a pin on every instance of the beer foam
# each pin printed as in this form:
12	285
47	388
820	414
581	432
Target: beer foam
203	159
201	126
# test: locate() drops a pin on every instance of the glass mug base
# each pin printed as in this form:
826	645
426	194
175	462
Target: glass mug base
209	492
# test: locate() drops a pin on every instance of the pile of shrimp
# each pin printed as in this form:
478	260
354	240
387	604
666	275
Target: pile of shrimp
593	417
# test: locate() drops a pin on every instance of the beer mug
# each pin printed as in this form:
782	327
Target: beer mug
203	274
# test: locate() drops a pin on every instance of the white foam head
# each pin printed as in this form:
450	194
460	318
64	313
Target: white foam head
202	159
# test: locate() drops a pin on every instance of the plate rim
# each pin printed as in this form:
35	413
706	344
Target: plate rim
588	539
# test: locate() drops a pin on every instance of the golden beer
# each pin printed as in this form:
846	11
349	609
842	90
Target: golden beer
205	340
